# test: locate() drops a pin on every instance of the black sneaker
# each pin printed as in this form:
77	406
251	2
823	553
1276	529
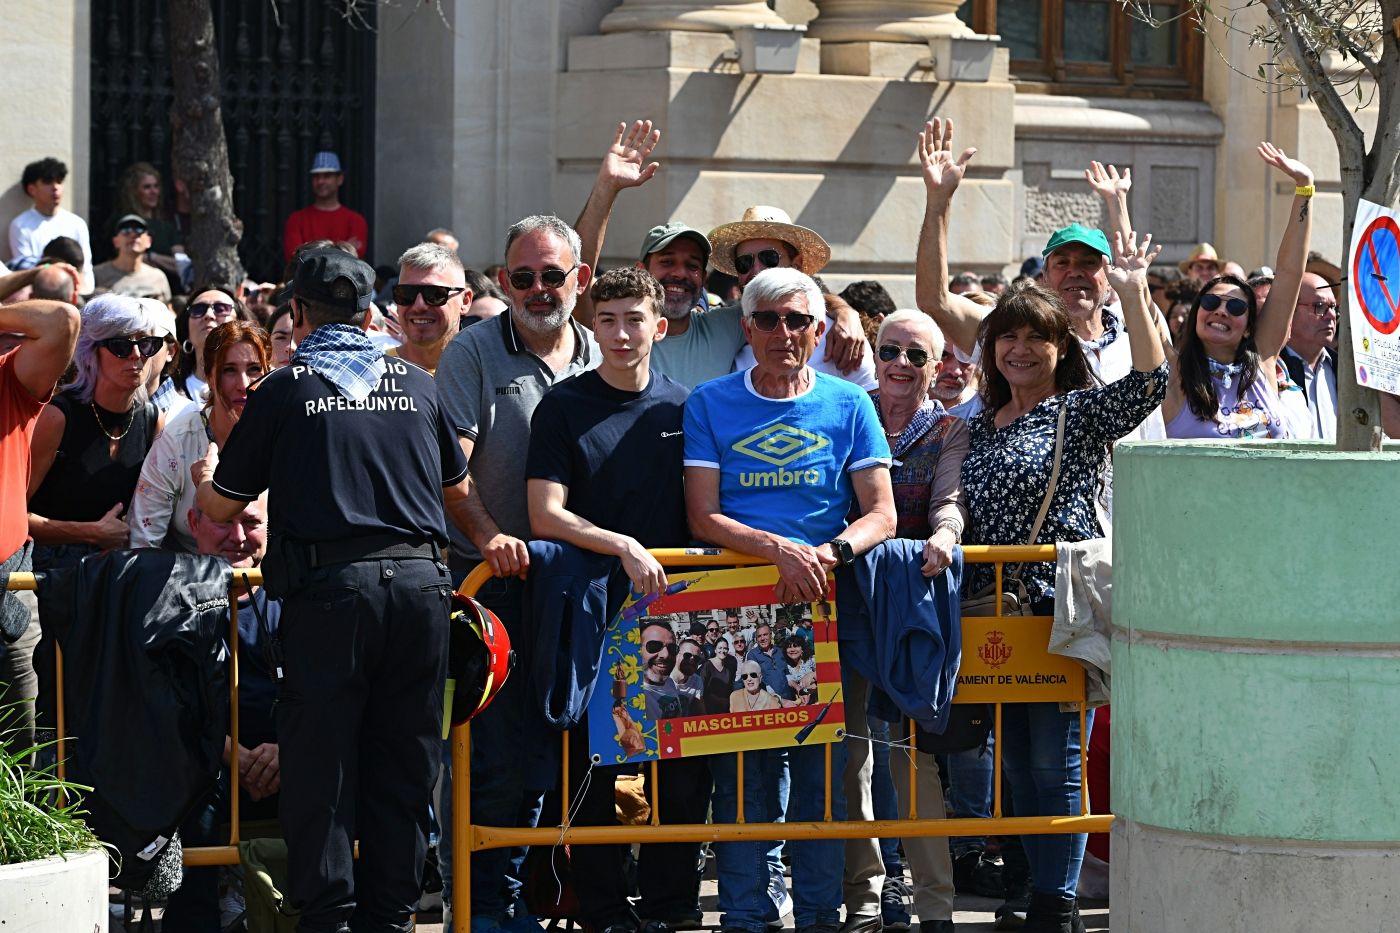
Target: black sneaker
974	873
1011	915
859	924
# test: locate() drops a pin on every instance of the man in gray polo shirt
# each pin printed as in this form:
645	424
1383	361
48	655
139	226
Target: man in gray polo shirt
490	379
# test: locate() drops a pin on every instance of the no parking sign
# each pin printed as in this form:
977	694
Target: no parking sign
1373	271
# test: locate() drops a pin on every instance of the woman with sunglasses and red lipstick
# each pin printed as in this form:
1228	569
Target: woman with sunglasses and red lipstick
1225	381
210	307
91	440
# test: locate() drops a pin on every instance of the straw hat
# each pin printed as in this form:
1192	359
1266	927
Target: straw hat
1201	251
768	223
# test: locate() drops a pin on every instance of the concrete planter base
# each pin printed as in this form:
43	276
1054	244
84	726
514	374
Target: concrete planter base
1254	673
55	895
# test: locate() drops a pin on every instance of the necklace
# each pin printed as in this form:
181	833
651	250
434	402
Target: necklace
130	417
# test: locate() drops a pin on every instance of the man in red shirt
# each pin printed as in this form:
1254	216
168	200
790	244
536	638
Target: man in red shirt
39	341
325	218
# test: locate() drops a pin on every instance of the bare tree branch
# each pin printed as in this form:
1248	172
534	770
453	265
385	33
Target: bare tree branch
1351	142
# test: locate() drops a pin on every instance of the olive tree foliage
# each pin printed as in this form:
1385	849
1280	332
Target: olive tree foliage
1346	55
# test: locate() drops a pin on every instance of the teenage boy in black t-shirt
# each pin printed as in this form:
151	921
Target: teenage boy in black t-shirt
604	473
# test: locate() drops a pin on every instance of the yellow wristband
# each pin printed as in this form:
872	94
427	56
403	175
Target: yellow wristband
1304	191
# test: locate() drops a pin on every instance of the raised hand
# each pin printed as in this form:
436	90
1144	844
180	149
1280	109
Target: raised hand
1131	261
1300	173
625	163
942	171
1106	182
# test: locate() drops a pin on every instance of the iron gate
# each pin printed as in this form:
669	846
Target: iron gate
297	77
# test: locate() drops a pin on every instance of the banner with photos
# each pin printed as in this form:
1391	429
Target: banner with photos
712	665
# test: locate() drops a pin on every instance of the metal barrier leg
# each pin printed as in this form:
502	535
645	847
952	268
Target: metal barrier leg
463	837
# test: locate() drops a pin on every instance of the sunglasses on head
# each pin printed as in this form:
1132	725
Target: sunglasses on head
524	279
656	647
767	321
916	357
215	308
1235	307
434	296
770	258
120	347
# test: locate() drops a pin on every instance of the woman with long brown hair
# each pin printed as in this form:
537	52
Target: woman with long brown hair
237	354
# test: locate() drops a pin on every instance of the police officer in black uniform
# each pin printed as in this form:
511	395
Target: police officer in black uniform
360	462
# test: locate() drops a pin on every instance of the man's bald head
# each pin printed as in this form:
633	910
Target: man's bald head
54	283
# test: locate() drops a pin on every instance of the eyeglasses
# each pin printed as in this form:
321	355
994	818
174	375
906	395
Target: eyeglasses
434	296
916	357
121	347
524	279
1320	308
712	628
216	308
656	647
750	676
767	321
1235	307
770	258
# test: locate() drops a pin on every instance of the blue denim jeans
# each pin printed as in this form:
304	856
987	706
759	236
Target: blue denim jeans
969	791
745	875
507	787
1040	757
882	793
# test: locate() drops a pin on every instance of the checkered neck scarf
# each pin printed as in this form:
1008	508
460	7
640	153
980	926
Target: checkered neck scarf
345	356
165	394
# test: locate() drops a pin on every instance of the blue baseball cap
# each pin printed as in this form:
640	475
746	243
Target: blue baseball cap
325	162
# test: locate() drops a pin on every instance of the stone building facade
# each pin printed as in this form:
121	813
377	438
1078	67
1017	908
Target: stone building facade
499	109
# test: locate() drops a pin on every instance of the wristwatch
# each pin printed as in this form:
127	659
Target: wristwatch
842	551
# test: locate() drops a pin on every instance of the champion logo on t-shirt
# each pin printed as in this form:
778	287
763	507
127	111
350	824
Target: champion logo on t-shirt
665	434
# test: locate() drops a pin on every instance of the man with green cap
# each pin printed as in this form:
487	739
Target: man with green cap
1076	268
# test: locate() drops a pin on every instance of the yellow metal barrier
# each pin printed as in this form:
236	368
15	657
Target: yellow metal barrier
995	692
494	837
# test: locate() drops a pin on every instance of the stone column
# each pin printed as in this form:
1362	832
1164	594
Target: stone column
886	20
687	16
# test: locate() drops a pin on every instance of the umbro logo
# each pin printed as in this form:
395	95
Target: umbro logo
781	444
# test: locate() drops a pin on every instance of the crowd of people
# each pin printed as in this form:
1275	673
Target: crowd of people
393	429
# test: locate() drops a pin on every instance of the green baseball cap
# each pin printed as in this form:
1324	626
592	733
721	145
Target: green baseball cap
1078	233
660	236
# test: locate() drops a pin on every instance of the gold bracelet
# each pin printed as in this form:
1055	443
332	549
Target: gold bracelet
1304	191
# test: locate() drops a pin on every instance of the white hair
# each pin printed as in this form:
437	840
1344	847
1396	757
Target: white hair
105	316
545	222
772	285
909	316
431	257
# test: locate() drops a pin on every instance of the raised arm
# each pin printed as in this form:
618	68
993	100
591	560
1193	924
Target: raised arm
1271	330
956	316
1128	276
624	166
51	329
1113	188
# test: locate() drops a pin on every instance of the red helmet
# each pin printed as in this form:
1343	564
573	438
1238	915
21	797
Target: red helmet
479	657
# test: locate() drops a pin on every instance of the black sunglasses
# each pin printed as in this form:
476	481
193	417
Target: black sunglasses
121	347
767	321
131	228
656	647
1235	307
210	307
434	296
751	676
916	357
769	257
549	278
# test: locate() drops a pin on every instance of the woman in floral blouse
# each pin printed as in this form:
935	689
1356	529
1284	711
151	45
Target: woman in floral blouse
1032	367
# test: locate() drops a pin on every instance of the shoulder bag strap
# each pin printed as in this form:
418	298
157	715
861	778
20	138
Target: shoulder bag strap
1049	494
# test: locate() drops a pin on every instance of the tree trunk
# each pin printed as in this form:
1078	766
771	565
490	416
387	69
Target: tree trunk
201	152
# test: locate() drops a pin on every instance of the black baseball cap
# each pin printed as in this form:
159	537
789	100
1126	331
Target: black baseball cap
334	277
